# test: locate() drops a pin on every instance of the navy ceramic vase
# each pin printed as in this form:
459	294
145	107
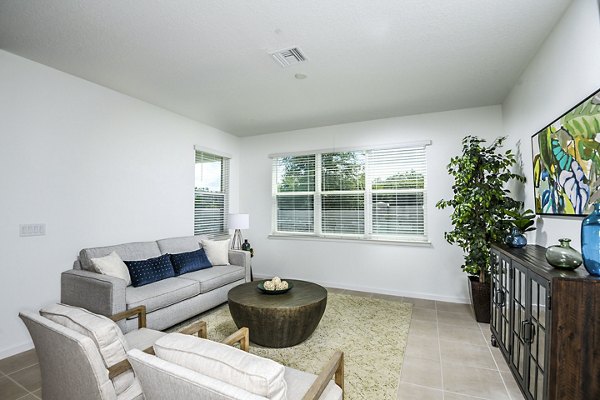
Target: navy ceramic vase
590	241
516	239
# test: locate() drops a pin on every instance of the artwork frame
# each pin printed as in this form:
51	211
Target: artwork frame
566	161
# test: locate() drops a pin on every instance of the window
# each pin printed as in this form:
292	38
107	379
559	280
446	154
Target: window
376	194
211	202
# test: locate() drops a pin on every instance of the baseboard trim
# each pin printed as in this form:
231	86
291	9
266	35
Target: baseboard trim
11	351
416	295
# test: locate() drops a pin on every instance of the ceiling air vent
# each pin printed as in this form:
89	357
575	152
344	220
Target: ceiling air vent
289	57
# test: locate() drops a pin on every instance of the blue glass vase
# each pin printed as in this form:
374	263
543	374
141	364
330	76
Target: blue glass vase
516	239
590	241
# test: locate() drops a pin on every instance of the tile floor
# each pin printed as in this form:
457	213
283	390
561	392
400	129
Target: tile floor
447	357
20	377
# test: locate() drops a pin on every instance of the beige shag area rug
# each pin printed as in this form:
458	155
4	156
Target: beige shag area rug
371	332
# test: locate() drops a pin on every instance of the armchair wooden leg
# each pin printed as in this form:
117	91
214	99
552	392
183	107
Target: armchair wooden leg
241	336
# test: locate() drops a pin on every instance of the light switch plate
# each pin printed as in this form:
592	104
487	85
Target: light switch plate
32	229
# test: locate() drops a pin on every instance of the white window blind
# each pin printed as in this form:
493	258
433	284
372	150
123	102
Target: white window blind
342	192
397	182
211	202
377	194
295	191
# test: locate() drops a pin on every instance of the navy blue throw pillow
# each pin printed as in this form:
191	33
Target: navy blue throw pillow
150	270
189	262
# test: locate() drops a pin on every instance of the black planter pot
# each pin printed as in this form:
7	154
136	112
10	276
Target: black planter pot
481	299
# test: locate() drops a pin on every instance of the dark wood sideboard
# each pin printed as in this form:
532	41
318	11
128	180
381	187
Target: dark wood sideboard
546	323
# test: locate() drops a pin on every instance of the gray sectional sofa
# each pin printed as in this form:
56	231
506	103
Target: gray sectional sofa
168	301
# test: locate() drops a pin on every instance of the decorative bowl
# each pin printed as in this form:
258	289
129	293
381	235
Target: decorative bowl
261	287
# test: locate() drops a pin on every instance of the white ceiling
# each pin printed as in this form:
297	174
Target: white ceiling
208	59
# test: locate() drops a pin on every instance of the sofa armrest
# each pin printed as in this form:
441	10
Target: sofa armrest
241	258
98	293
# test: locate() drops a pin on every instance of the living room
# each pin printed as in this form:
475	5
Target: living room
99	167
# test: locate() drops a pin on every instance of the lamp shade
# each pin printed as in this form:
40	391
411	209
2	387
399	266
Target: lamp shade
238	221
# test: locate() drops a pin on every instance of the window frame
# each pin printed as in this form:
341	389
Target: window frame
224	193
367	235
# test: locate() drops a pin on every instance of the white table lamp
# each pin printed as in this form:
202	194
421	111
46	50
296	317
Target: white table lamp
238	222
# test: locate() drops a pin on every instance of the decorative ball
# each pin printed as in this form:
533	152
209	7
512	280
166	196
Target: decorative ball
276	280
281	286
269	285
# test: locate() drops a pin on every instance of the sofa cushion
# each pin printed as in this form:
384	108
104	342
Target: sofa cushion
215	277
142	338
162	379
102	330
161	294
217	251
179	244
151	270
247	371
298	383
128	251
190	261
112	265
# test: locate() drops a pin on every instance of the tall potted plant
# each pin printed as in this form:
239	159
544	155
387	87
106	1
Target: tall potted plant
480	204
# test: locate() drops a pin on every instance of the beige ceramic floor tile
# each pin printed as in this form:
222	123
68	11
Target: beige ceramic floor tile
469	356
485	328
453	307
422	347
421	328
472	336
18	361
500	361
424	314
513	389
421	303
476	382
29	377
421	372
456	396
10	390
407	391
457	318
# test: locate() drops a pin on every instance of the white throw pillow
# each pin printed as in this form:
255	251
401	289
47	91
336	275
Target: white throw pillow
112	265
252	373
217	251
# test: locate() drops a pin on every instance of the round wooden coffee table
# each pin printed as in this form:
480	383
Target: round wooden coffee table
278	320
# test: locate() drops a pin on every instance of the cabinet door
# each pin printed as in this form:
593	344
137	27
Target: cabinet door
518	346
536	334
500	322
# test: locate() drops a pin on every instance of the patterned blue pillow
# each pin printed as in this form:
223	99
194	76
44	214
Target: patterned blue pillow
189	262
150	270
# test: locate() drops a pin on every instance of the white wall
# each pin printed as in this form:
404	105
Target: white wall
565	70
412	270
97	167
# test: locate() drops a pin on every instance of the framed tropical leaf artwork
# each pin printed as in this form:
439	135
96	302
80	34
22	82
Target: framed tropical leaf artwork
566	161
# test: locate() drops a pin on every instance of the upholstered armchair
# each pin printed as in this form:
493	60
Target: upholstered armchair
186	367
82	355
